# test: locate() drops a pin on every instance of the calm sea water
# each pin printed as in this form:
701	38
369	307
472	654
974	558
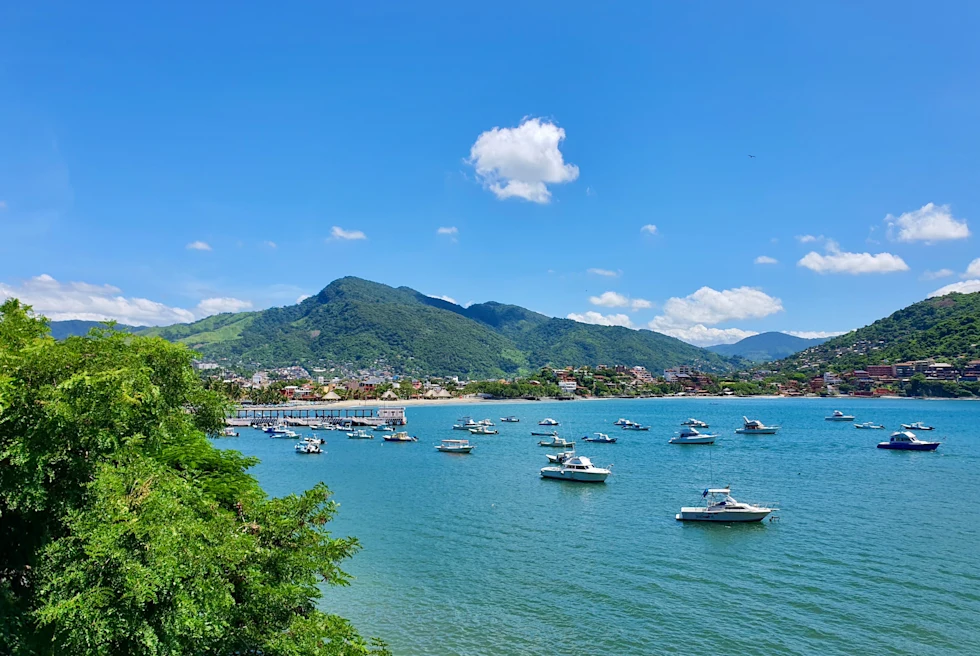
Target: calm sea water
874	552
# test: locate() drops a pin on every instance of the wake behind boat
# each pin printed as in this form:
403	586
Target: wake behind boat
722	507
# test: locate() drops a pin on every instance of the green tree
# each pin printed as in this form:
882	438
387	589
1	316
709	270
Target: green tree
124	531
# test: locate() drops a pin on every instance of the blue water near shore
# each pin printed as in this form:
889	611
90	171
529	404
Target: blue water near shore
874	552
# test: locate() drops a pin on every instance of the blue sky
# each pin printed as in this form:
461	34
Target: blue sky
129	133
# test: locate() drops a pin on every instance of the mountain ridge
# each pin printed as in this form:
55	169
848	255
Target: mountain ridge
767	346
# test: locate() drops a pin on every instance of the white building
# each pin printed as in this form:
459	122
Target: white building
567	386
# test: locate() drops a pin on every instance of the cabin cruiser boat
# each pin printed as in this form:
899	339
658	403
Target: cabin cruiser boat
455	446
483	430
870	425
557	442
467	425
755	427
636	427
548	421
600	438
285	434
384	428
510	420
329	427
723	508
689	435
548	434
839	416
228	432
401	436
307	448
314	440
360	434
694	423
560	457
918	426
275	429
485	422
577	468
907	441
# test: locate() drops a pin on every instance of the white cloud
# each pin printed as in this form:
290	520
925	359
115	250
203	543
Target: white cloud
448	299
765	259
973	269
79	300
701	335
815	334
337	232
270	244
604	272
199	246
448	230
962	287
602	319
210	306
806	239
649	228
935	275
609	299
689	318
521	162
640	304
851	263
302	298
929	223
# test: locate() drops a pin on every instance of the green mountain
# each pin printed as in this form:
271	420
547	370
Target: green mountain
75	327
945	328
358	322
766	346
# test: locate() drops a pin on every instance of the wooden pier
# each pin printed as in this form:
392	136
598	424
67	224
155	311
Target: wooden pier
272	414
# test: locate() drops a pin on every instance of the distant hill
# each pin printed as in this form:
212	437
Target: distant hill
361	322
766	346
946	328
73	327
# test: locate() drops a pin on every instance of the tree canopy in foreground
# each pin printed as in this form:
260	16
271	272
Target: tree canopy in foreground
124	531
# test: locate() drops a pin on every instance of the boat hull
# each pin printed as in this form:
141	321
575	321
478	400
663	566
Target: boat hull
839	418
723	516
900	446
465	449
756	431
575	476
692	440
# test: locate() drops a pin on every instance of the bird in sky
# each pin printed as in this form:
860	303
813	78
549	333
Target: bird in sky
752	156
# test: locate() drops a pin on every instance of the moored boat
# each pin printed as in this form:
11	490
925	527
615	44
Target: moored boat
694	423
869	425
918	426
722	507
557	442
622	422
560	457
690	435
548	421
360	434
636	427
307	448
455	446
755	427
600	438
228	432
540	434
907	441
483	430
401	436
579	469
837	415
510	420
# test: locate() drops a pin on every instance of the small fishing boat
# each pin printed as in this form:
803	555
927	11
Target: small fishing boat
360	434
401	436
918	426
286	434
483	430
466	425
314	440
560	457
869	425
907	441
839	416
548	421
723	508
228	432
485	422
579	469
557	442
275	429
455	446
329	427
384	428
690	435
306	448
510	420
600	438
636	427
694	423
540	434
755	427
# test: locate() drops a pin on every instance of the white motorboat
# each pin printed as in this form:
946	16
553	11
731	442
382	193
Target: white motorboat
287	434
600	438
467	425
553	433
329	427
360	434
560	457
690	435
228	432
723	508
869	425
483	430
510	420
384	428
276	429
694	423
907	441
314	440
755	427
635	427
622	422
307	448
577	468
455	446
548	421
839	416
401	436
485	422
918	426
557	442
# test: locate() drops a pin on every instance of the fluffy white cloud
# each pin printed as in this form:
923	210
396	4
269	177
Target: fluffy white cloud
807	239
210	306
603	272
609	299
337	232
199	246
690	318
649	229
765	259
78	300
836	261
640	304
935	275
701	335
521	162
929	223
962	287
972	269
602	319
448	299
815	334
448	230
302	298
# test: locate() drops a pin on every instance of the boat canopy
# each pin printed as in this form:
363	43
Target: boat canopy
580	461
453	442
723	490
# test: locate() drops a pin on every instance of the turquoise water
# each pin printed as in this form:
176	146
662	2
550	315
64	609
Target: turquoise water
874	552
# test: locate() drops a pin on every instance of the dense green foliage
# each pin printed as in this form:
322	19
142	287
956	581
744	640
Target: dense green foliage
354	321
124	531
766	346
945	328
